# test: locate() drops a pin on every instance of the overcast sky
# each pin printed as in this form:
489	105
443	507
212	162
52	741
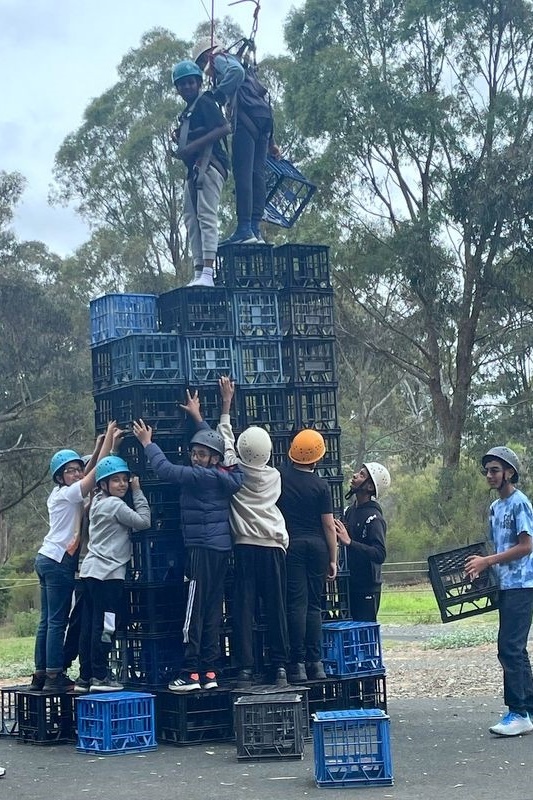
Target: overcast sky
56	55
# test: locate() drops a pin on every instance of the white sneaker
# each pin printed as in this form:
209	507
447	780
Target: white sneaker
512	724
193	281
205	280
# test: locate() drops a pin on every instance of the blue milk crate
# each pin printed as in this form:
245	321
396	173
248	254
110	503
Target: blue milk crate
196	309
209	395
147	661
352	648
154	610
266	407
116	315
308	312
309	360
158	404
158	557
147	357
117	723
256	313
288	192
352	748
245	266
259	361
303	266
208	358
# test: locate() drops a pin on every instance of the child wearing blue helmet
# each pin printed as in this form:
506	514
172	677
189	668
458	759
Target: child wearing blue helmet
103	571
56	562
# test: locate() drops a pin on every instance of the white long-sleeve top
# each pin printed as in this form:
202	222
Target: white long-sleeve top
254	515
65	509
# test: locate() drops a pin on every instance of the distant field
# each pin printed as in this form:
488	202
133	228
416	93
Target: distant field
409	606
16	657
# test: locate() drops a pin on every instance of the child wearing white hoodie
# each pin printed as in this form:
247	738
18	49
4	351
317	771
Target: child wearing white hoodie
261	541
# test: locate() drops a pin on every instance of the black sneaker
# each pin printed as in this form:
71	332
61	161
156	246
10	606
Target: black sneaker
244	679
209	680
105	685
187	682
315	671
59	683
297	673
81	686
37	682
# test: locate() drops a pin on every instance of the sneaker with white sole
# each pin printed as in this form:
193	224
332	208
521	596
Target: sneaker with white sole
240	237
105	685
81	686
209	681
204	280
187	682
512	724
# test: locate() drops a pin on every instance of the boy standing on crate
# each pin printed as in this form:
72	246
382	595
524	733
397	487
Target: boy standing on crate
511	531
261	542
362	530
206	489
199	136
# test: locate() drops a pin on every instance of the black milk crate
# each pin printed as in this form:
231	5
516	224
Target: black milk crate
288	192
262	666
267	690
194	717
157	557
306	313
245	266
269	727
305	266
173	446
146	661
457	595
116	315
155	610
281	443
9	709
259	362
335	694
163	499
101	367
309	360
336	486
256	313
158	404
196	310
210	403
266	407
313	407
342	560
45	718
329	467
336	599
209	357
146	357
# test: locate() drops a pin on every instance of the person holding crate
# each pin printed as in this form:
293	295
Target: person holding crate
511	531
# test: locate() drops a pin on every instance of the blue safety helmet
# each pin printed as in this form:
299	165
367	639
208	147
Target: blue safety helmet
209	438
186	69
61	458
110	465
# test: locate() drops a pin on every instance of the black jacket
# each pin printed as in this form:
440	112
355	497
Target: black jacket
367	552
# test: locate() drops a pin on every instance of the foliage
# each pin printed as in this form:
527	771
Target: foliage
464	637
25	623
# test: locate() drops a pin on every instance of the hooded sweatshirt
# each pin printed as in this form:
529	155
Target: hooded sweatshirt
367	552
254	515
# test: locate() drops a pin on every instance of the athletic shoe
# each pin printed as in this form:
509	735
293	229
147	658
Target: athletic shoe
187	682
296	673
81	686
105	685
209	681
59	683
37	683
193	281
2	772
244	679
240	237
315	671
512	724
204	280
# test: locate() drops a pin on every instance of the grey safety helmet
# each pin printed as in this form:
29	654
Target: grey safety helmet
211	439
506	455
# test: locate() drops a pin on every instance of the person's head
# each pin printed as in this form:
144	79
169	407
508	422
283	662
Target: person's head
371	479
254	446
66	467
203	48
187	78
206	448
501	467
113	476
307	448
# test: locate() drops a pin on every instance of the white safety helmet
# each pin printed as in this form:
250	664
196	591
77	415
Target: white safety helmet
254	446
204	45
379	476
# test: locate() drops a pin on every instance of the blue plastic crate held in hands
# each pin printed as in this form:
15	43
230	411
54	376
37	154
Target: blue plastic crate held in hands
288	192
457	595
116	315
121	722
352	648
352	748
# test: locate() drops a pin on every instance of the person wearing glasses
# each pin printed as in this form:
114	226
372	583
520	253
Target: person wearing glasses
511	532
56	562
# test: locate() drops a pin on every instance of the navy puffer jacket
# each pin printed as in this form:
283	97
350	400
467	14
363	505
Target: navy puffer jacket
204	500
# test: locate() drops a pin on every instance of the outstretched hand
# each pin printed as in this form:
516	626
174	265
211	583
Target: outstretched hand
142	432
192	405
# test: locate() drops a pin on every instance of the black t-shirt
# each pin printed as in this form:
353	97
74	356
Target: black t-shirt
206	116
304	498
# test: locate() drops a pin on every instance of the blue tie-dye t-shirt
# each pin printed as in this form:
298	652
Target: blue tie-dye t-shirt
509	518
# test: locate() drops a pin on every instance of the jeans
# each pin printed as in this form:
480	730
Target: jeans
516	610
248	161
307	566
57	584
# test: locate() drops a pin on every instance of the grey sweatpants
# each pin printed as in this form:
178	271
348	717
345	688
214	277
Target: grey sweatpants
200	212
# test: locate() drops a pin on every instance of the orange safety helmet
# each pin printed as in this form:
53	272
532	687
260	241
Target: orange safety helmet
307	447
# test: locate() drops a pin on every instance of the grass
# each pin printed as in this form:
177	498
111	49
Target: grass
16	657
412	605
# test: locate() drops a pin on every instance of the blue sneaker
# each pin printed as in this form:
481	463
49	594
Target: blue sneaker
512	724
240	237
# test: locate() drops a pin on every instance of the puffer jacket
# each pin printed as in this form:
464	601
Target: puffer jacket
204	499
